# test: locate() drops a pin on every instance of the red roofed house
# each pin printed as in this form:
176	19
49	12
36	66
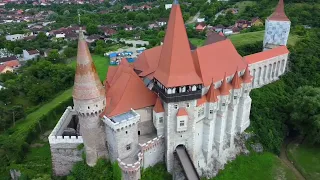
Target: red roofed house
9	64
201	26
174	103
32	54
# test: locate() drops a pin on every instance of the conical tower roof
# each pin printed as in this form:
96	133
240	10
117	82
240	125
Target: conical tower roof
212	95
176	66
158	106
279	14
224	88
236	81
247	78
87	84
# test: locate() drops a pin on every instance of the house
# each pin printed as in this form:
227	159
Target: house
200	19
201	26
218	28
27	55
213	37
9	64
153	26
128	28
107	31
256	22
93	38
168	6
227	31
162	22
16	37
145	7
243	24
4	69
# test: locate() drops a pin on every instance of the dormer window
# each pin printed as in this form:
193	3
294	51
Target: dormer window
181	123
160	120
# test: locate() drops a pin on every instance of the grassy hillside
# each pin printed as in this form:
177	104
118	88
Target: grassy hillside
246	38
306	158
256	167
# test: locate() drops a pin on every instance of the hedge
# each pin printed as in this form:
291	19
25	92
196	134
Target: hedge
14	144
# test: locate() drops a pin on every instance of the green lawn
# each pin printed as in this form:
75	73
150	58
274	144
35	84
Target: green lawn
264	166
101	63
37	163
246	38
306	159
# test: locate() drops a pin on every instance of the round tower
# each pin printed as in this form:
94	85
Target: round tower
89	102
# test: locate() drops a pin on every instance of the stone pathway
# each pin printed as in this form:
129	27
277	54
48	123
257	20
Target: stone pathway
287	162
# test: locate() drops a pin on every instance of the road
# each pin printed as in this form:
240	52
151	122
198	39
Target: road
194	19
286	161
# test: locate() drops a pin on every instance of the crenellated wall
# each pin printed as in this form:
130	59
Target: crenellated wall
131	171
153	151
64	149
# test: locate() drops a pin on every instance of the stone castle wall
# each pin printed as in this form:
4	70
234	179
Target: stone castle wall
153	151
64	149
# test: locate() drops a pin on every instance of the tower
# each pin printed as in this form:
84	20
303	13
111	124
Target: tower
277	28
89	102
178	86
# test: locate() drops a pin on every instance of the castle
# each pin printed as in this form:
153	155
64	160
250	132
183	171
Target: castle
184	107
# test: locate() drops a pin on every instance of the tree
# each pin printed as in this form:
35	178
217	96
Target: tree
161	34
66	13
17	50
70	52
92	29
54	56
305	112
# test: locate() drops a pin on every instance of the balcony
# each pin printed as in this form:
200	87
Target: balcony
177	97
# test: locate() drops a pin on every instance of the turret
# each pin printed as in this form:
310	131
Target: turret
277	28
158	117
247	82
236	86
89	101
224	94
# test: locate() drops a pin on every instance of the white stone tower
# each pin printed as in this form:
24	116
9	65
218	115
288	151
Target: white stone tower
178	86
277	28
89	102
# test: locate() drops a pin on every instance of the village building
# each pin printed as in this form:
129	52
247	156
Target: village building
181	106
31	54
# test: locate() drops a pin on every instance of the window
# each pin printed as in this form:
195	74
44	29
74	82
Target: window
246	91
176	106
128	147
160	120
235	97
181	123
126	132
138	133
223	104
88	107
188	105
211	111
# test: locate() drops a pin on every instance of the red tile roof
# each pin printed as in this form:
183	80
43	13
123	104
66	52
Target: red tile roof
182	112
32	52
2	67
87	84
128	91
236	81
12	63
247	78
279	14
265	55
225	87
176	67
215	60
201	101
158	107
212	95
148	61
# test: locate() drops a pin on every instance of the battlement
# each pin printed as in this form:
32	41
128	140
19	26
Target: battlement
122	121
131	168
56	137
152	143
